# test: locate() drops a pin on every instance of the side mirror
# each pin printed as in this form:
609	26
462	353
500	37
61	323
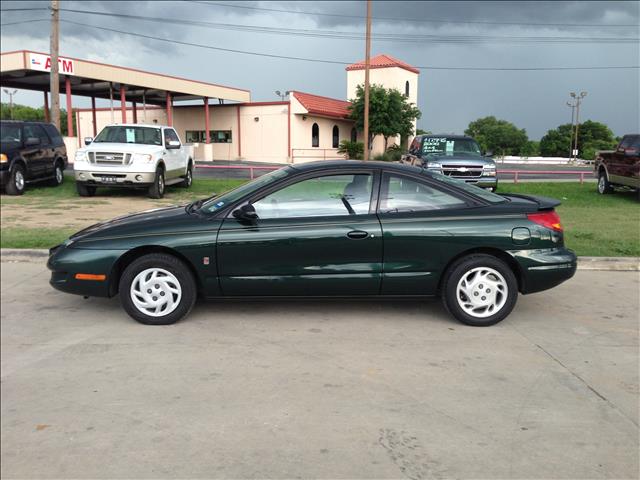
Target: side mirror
246	213
31	142
172	144
488	153
88	140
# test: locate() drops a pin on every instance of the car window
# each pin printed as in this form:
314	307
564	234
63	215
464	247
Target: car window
449	146
404	194
53	133
170	135
635	142
10	133
125	134
329	195
36	131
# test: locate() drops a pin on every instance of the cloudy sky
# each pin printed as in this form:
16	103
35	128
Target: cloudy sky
431	35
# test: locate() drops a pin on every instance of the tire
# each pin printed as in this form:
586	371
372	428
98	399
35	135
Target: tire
157	189
604	186
58	175
17	181
480	312
176	287
188	179
85	190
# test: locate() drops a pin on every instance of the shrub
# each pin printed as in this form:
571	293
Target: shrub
351	150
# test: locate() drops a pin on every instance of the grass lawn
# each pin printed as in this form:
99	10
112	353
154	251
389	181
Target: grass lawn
595	225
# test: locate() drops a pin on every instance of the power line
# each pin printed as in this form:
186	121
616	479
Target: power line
471	22
25	21
359	36
22	9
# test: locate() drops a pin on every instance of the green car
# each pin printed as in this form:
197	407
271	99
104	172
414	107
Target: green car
325	229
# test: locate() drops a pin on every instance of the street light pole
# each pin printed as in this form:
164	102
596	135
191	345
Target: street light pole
578	99
573	112
11	94
54	81
367	61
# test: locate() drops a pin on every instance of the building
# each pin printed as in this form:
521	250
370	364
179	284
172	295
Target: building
305	127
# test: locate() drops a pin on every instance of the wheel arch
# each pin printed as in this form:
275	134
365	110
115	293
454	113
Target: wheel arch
495	252
19	161
125	259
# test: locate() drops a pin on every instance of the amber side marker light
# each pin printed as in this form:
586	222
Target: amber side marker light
90	276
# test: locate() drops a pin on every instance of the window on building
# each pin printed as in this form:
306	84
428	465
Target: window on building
354	134
194	136
315	135
215	136
406	88
336	137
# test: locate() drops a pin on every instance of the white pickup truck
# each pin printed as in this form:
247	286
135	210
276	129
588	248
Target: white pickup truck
133	156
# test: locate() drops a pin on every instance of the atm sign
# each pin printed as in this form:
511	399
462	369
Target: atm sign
41	62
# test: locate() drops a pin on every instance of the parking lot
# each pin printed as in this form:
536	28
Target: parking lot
340	389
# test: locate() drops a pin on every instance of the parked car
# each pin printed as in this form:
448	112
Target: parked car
620	167
456	156
133	156
30	152
341	228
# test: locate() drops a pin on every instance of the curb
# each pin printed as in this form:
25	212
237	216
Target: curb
612	264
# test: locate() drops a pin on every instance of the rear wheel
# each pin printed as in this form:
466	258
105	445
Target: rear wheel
157	289
188	178
480	290
157	189
16	181
604	186
58	174
85	190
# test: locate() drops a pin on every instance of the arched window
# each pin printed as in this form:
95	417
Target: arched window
354	134
406	88
336	136
315	135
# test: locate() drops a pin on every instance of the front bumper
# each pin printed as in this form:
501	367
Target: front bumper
545	269
5	175
65	263
91	177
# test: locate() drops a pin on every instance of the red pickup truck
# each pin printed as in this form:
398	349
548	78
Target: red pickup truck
619	167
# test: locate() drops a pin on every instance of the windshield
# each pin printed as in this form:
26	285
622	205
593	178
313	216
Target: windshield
10	133
472	189
122	134
449	146
216	203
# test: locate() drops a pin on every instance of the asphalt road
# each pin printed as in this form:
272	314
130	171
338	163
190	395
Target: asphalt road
320	389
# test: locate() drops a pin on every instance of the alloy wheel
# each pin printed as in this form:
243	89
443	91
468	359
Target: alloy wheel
601	184
482	292
156	292
59	175
19	180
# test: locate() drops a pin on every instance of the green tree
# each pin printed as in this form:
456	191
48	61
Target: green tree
24	112
420	131
530	149
592	136
390	113
500	136
351	150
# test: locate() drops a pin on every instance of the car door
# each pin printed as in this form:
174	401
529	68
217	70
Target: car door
417	222
35	156
317	235
172	156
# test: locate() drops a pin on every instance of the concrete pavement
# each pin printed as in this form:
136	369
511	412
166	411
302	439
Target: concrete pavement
320	389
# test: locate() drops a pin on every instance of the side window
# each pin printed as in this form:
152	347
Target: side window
170	135
331	195
406	88
38	132
404	194
56	139
315	135
626	142
415	145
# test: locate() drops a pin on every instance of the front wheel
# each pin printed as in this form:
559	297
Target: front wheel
157	289
157	189
604	186
85	190
480	290
16	181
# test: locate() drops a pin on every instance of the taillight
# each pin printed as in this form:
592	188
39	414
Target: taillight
549	219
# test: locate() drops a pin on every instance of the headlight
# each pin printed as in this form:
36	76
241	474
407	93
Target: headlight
489	170
81	156
141	157
3	158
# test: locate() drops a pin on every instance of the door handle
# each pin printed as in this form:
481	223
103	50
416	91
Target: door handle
357	235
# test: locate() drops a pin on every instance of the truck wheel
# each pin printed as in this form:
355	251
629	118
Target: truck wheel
58	174
188	178
479	290
157	289
604	186
85	190
157	189
16	181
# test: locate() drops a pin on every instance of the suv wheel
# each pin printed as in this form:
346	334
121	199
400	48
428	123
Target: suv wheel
58	174
157	189
604	186
85	190
188	178
16	181
157	289
480	290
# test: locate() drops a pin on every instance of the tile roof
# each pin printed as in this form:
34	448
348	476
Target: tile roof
329	107
383	61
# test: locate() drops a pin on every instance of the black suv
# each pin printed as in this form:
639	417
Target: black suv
30	152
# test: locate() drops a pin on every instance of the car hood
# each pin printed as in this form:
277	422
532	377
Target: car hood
460	159
121	147
158	221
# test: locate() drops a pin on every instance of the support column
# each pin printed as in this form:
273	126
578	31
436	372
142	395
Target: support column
135	112
93	116
169	110
123	104
47	116
239	132
206	120
67	91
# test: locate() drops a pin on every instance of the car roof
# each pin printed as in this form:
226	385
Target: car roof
153	125
21	122
354	164
447	135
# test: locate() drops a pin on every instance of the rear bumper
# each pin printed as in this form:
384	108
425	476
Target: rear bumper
545	269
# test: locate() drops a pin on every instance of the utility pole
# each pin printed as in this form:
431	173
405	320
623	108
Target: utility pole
578	99
367	61
573	112
54	81
11	94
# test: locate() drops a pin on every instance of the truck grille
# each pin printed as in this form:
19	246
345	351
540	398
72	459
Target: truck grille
110	158
462	170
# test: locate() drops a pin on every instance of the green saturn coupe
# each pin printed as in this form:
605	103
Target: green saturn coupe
325	229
